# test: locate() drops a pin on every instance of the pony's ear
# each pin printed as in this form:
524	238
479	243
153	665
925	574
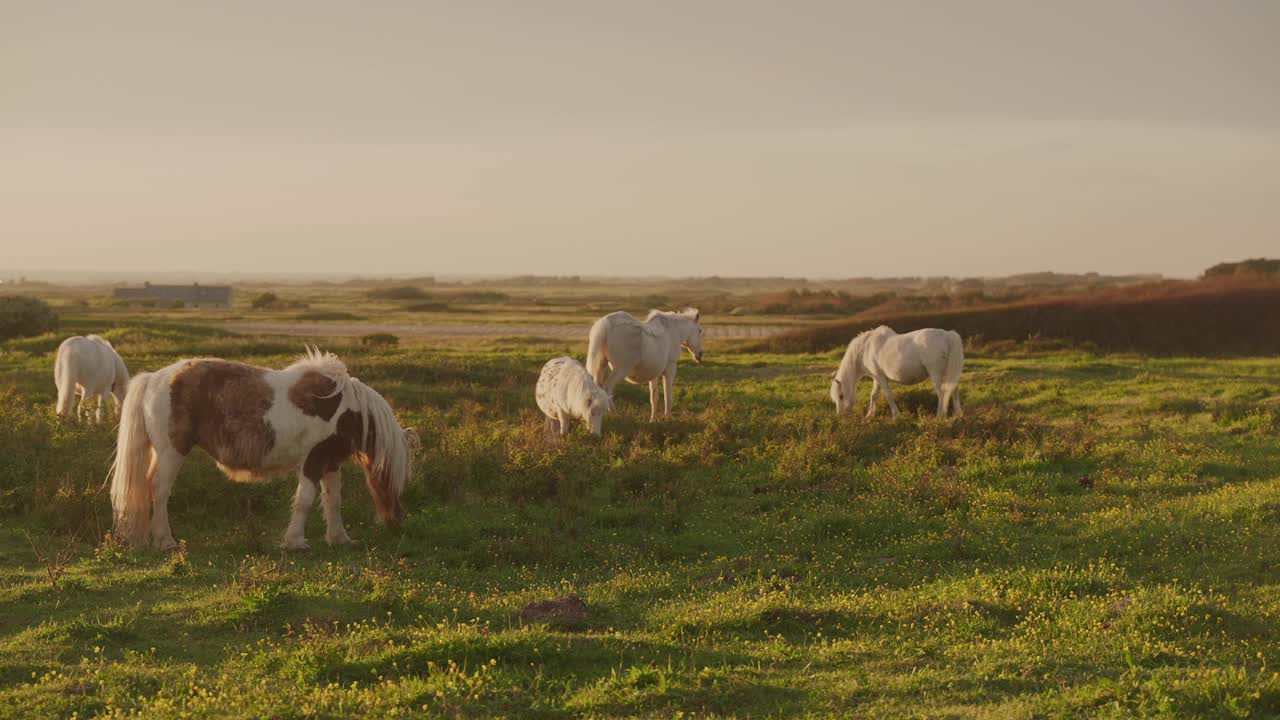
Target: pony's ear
412	439
836	380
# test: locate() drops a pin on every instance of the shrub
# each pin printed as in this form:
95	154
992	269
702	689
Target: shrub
22	316
264	301
380	340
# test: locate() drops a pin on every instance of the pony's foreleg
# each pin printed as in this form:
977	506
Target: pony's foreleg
164	472
303	499
871	401
668	382
888	396
101	410
331	499
653	400
616	376
80	397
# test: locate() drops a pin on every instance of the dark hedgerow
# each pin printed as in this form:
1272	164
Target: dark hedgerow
24	316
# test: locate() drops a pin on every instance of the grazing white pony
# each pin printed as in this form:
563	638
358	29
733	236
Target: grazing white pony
643	351
256	423
89	367
566	391
906	359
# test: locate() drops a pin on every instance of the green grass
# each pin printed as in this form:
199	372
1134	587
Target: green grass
1098	537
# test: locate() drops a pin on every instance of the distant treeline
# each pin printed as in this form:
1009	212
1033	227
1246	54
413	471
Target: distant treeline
1256	266
1231	316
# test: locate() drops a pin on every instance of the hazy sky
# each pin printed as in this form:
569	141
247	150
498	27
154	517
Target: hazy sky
689	137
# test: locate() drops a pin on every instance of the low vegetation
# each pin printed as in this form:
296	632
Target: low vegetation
1098	537
1235	316
24	316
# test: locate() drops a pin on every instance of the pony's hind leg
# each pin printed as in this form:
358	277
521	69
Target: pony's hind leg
164	470
941	390
653	400
101	410
953	394
303	499
331	499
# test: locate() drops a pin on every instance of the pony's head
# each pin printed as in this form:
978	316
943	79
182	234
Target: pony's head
844	381
842	396
692	340
384	450
120	383
597	407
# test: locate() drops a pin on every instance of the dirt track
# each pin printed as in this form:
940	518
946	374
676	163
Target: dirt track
468	330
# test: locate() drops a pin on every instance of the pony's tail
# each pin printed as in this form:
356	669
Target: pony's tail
951	376
63	380
597	360
955	358
131	469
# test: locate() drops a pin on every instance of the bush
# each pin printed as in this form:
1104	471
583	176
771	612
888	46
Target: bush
22	316
264	301
380	340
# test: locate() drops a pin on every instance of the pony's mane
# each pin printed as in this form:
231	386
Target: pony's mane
325	363
852	352
685	314
876	329
390	452
328	365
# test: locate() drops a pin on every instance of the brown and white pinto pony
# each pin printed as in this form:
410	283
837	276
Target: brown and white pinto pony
256	423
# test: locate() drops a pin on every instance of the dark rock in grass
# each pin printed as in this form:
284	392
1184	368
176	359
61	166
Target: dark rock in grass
1086	482
566	612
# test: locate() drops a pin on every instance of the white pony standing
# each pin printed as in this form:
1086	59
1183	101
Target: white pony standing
906	359
89	367
566	391
643	351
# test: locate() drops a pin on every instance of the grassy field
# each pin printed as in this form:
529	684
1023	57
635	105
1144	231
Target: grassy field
1100	536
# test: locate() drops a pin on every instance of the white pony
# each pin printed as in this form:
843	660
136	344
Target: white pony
256	423
89	367
907	359
566	391
643	351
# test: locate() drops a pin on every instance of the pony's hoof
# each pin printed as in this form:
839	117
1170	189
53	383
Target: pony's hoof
167	545
295	544
343	539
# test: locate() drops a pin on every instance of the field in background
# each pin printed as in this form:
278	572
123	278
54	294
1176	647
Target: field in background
1231	315
1098	537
